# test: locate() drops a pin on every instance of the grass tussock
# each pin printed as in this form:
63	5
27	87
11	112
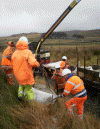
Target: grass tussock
38	118
51	117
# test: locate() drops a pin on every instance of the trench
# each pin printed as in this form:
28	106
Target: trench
92	104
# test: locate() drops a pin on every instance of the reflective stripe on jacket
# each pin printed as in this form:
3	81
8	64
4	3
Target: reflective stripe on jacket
6	59
23	60
74	85
6	67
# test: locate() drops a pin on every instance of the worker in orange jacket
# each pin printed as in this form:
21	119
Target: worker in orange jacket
63	63
74	86
22	61
6	62
59	79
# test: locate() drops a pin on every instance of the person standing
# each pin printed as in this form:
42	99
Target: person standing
23	61
6	62
74	86
59	79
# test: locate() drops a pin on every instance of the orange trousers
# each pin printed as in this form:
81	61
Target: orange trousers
78	102
10	76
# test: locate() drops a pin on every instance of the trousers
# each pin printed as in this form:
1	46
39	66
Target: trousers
28	91
10	76
78	102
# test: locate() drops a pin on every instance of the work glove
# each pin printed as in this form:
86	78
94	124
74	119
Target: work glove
61	95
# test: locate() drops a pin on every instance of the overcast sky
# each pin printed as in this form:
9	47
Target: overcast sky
25	16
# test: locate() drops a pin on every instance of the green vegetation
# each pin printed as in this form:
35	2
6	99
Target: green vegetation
18	115
91	54
8	98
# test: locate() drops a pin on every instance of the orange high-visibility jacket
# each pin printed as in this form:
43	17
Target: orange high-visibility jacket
6	59
63	65
73	86
57	72
22	61
59	79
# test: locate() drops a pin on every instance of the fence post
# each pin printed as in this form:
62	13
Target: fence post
77	62
84	67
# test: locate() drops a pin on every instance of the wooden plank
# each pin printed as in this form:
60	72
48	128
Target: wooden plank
90	74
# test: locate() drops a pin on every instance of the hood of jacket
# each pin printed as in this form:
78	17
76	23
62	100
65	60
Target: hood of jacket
21	45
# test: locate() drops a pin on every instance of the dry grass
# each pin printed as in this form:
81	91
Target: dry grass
16	115
38	118
90	52
51	117
40	80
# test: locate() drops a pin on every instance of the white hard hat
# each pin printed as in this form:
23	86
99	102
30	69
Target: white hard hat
65	72
57	66
24	39
64	58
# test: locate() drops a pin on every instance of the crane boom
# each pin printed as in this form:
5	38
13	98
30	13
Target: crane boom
58	21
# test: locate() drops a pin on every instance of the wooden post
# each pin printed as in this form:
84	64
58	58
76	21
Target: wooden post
77	62
84	66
